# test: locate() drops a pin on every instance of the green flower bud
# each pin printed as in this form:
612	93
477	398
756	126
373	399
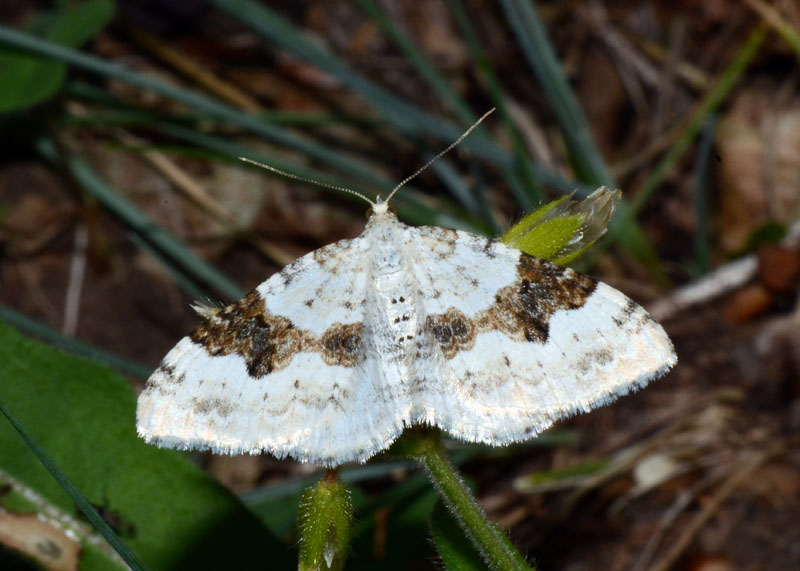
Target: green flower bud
325	515
563	229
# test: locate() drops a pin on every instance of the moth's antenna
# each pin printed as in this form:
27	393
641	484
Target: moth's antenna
447	150
305	179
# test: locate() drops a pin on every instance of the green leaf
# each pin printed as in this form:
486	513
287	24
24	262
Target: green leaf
87	509
25	324
558	479
82	415
79	22
454	547
26	80
531	34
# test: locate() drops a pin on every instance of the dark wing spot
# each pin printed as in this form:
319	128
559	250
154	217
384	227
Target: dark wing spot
341	344
487	248
523	310
166	370
452	330
266	342
220	406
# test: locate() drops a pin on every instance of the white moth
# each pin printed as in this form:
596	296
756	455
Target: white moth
331	358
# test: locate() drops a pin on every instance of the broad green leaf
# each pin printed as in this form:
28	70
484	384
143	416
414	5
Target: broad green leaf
78	22
26	80
169	512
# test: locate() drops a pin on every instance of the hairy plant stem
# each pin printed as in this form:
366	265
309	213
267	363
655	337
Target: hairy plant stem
424	446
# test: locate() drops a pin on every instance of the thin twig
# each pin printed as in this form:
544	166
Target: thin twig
196	71
77	274
740	474
199	196
719	282
683	501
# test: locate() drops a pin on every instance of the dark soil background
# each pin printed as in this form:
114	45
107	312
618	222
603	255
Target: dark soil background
699	471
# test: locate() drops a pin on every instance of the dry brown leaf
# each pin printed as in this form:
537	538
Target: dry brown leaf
42	541
758	144
748	303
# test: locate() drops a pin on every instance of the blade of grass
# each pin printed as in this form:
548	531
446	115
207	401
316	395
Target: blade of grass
479	146
174	249
532	37
478	180
409	203
498	98
588	162
424	66
773	18
702	233
193	99
520	191
184	282
73	345
710	103
450	98
404	116
451	178
83	504
401	115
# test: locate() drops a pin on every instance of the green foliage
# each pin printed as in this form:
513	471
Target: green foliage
82	415
25	79
771	232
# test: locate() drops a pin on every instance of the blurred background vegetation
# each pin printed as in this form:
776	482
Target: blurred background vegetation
122	200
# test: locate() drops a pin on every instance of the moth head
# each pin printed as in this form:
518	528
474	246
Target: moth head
380	208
